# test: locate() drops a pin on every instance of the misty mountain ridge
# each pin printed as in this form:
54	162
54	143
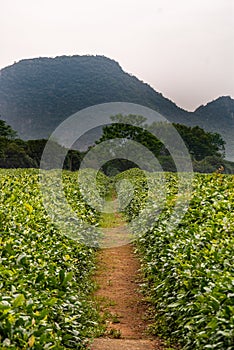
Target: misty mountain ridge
36	95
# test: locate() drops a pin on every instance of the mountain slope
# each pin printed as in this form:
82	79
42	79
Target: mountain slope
36	95
218	116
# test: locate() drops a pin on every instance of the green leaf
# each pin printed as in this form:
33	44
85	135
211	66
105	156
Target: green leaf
68	278
19	301
61	275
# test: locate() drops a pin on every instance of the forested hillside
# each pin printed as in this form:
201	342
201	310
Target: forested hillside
36	95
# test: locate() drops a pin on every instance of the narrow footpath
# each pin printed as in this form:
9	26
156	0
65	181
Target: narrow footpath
122	303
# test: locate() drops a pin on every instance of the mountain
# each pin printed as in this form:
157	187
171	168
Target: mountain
36	95
218	116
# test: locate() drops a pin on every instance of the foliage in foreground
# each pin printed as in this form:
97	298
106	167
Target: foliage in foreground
44	276
189	270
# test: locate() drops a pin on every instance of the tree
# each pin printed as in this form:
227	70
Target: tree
131	127
14	155
7	131
35	149
200	144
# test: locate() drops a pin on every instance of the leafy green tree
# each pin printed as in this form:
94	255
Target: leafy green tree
6	130
199	143
13	155
35	149
131	127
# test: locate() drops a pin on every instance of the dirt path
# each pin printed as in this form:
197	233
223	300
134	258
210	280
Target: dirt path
120	297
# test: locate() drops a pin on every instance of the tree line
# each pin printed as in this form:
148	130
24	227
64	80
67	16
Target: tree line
207	150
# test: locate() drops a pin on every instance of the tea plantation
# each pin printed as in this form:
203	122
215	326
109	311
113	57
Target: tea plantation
188	262
189	267
44	277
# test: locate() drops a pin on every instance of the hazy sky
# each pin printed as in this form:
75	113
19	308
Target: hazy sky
182	48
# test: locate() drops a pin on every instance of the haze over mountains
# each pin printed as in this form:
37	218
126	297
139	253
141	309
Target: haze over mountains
36	95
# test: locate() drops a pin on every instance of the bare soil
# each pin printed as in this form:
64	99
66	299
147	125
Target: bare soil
123	305
125	344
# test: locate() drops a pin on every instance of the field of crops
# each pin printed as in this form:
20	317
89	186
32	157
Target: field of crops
44	276
189	269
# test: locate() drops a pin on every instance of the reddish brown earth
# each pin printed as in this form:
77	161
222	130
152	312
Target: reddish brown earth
124	344
118	278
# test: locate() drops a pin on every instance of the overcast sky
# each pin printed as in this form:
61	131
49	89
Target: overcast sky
182	48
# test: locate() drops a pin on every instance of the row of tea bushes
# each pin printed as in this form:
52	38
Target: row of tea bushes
45	277
189	268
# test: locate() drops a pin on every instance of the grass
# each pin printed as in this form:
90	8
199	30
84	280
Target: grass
110	219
